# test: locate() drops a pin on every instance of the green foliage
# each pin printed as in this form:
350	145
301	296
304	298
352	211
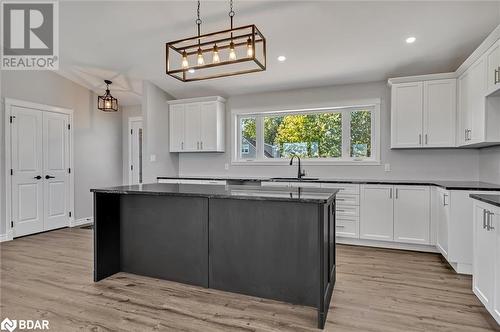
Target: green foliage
314	135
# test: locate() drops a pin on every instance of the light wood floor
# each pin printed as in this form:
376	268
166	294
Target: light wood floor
49	276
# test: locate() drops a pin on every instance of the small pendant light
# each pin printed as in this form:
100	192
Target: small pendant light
107	102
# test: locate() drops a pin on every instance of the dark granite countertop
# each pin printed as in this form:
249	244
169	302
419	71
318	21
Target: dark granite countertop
490	199
449	185
247	192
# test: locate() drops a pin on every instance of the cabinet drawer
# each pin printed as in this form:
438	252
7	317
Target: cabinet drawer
170	181
346	199
346	227
347	211
345	188
214	182
305	184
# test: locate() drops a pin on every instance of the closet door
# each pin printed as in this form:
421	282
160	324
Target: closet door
27	181
55	134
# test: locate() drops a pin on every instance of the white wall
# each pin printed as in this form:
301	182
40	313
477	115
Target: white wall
156	135
127	112
97	135
489	164
450	164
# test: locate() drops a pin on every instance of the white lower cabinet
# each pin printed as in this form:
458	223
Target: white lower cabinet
441	213
486	255
377	213
412	214
395	213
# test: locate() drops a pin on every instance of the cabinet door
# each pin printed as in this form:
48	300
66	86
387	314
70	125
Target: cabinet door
439	113
464	114
192	127
476	100
495	222
493	66
376	218
406	115
176	126
412	214
208	137
483	257
443	221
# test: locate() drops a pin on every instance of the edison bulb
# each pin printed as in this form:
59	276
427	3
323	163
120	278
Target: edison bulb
232	53
185	62
249	48
215	58
107	104
201	61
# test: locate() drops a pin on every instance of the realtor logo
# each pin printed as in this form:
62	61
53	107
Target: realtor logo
8	325
30	38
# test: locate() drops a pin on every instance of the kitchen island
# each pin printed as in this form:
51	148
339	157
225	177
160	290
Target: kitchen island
276	243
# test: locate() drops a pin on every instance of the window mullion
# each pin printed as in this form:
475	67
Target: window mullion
259	130
346	134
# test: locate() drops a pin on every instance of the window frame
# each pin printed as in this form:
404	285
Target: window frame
345	108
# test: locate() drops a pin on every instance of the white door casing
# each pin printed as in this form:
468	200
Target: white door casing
135	150
52	130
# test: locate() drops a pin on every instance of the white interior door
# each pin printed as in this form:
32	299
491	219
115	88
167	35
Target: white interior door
27	181
135	166
55	169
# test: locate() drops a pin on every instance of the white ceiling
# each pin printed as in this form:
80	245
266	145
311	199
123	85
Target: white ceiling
325	42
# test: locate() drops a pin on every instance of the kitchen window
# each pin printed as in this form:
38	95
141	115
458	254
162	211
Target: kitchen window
326	135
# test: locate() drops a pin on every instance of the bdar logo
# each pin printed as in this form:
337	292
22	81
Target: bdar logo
9	325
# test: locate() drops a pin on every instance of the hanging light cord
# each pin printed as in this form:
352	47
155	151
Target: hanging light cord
198	21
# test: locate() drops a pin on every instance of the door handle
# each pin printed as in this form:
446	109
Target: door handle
38	177
49	177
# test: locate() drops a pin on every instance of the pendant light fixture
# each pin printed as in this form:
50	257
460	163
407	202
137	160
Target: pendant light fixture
107	102
235	51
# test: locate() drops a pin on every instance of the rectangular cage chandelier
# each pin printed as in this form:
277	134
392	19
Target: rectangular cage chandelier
230	52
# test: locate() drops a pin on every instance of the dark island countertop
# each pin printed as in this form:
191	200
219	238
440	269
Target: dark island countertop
490	199
449	185
300	195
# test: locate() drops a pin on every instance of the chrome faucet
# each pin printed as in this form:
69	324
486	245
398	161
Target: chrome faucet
300	172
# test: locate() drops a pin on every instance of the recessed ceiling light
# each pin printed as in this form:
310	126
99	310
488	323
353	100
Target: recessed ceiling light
191	71
281	58
410	40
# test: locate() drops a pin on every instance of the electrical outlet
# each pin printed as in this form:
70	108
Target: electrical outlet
152	158
226	166
387	167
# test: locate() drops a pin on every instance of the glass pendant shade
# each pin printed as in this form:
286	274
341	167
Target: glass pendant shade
232	53
107	102
185	63
215	57
249	48
201	60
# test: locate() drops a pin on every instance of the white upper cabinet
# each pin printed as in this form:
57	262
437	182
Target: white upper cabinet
493	68
423	114
406	115
197	125
440	109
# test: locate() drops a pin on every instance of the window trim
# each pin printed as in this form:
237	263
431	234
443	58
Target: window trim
260	113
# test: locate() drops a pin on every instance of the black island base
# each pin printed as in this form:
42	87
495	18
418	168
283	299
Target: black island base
275	243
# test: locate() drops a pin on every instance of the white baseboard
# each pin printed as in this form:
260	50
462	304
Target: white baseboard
7	237
81	221
387	244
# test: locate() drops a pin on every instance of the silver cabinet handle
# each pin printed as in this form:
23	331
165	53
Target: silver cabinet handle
484	219
490	215
465	135
197	145
339	226
390	193
182	145
444	199
397	193
340	210
419	138
201	145
426	140
497	78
